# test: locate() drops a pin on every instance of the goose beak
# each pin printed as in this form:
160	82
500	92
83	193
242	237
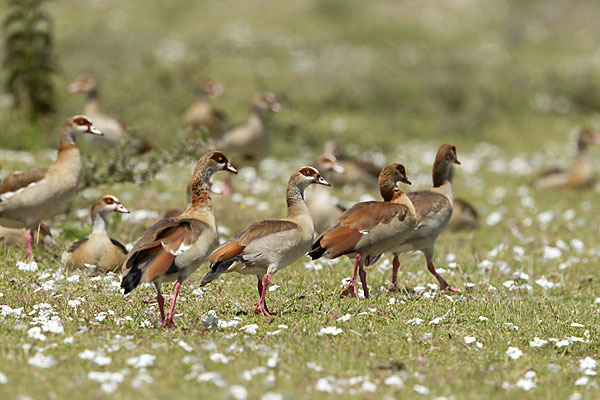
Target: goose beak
231	168
94	131
321	181
405	180
217	89
456	161
121	209
275	106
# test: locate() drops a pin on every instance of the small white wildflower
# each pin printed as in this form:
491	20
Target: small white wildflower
551	253
577	325
323	385
421	389
273	288
435	321
584	380
537	342
3	379
493	218
238	392
41	361
514	353
314	366
482	318
220	358
330	330
249	329
141	379
73	278
272	396
273	360
415	321
587	363
394	380
525	384
470	339
563	343
185	346
27	266
344	317
553	368
36	333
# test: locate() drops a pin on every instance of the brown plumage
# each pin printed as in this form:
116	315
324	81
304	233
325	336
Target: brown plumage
434	208
98	248
370	228
173	248
581	175
20	179
357	172
265	247
27	206
464	216
202	113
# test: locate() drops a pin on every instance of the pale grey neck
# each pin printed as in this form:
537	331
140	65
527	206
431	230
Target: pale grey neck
98	222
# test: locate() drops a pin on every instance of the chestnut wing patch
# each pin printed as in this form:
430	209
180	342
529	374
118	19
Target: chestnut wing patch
21	179
357	221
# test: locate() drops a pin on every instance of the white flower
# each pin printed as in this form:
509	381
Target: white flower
435	321
238	392
3	379
142	361
249	329
323	385
213	377
141	378
185	346
273	288
482	318
41	361
525	384
314	366
421	389
493	218
109	381
330	330
344	317
272	361
577	325
228	324
553	368
12	312
514	353
28	267
368	386
220	358
551	253
577	245
470	339
563	343
272	396
394	380
587	363
73	278
415	321
584	380
537	342
545	283
36	333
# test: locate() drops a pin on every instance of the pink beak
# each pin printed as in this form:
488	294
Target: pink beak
275	106
94	131
231	168
73	88
121	209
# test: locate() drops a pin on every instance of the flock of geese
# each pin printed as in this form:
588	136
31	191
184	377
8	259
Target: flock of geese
175	246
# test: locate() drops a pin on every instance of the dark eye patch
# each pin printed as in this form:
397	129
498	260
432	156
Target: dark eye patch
307	172
109	200
81	121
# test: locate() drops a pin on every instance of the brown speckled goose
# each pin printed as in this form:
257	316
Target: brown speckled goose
202	114
173	248
370	228
265	247
434	208
581	175
98	249
49	192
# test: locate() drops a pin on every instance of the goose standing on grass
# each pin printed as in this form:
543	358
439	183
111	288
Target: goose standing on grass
49	192
323	208
41	236
99	249
202	114
581	175
115	132
370	228
265	247
250	141
357	172
173	248
434	208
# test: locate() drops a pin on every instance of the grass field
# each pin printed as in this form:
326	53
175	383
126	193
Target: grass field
506	81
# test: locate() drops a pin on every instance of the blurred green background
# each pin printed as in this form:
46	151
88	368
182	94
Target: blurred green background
374	73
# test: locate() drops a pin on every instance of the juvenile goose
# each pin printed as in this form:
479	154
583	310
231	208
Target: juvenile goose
265	247
46	193
202	114
115	131
357	172
99	249
581	175
370	228
173	248
434	208
323	208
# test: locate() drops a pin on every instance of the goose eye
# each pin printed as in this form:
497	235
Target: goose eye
307	172
109	201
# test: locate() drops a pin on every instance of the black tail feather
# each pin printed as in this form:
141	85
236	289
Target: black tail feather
316	251
131	280
217	269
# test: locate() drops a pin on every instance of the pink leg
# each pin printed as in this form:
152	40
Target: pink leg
161	304
29	244
395	265
443	284
351	289
168	320
261	306
363	280
259	286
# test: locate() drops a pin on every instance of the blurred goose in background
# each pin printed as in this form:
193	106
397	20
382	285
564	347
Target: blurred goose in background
434	208
265	247
250	141
37	194
370	228
581	175
464	215
202	114
356	172
16	236
173	248
98	249
323	208
115	132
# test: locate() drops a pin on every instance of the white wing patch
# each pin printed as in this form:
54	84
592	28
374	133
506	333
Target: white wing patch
8	195
363	232
182	248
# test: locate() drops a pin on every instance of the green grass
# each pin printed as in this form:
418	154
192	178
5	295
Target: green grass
505	81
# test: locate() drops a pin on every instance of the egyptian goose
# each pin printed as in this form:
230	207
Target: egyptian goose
370	228
464	216
434	208
41	236
323	209
45	194
581	175
115	132
174	248
357	172
99	249
202	114
265	247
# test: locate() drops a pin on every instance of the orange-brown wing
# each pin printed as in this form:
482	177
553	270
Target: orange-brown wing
358	220
238	243
20	179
